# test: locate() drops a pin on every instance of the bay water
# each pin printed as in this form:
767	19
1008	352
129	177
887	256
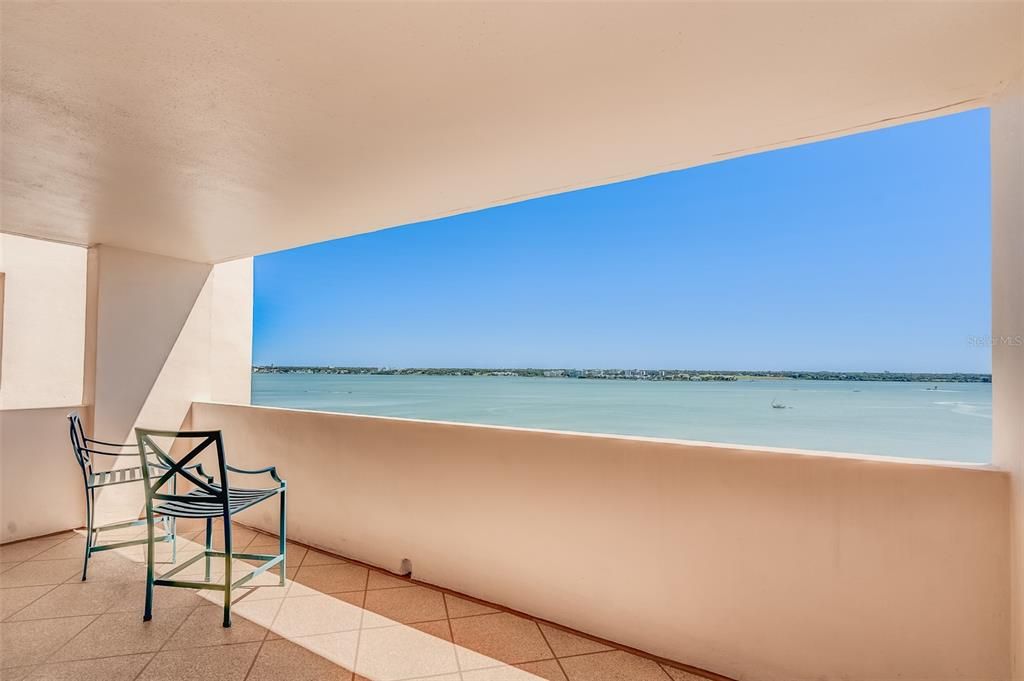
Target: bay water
938	421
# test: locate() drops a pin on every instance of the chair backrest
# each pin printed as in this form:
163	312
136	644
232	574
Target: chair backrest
171	468
78	444
85	447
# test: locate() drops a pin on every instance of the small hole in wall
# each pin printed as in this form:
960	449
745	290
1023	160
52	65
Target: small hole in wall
406	568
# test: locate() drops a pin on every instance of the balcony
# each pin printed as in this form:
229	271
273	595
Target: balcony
152	150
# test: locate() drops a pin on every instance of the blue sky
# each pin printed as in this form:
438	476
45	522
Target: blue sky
866	253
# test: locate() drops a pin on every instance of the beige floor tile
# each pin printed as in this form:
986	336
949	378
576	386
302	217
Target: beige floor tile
162	551
502	636
616	665
411	604
565	643
314	557
240	538
550	670
17	673
40	572
124	533
123	633
338	648
116	565
682	675
192	525
438	629
284	660
528	671
293	552
13	600
382	580
78	598
402	652
263	588
261	612
133	598
32	642
314	615
331	578
124	668
352	598
205	627
24	550
69	548
460	607
263	537
269	578
226	663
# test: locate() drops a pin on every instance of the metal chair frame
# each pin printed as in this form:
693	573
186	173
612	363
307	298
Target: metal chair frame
209	499
85	448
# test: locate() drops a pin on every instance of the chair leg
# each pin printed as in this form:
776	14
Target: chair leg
148	614
209	545
89	498
283	539
227	571
173	526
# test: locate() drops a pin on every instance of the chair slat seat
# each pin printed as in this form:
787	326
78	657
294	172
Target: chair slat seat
200	504
119	476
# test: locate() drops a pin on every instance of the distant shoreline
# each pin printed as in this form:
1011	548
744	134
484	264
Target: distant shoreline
637	374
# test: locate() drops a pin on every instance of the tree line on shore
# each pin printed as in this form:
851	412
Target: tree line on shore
636	374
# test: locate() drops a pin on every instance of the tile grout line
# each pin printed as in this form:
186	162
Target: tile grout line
59	648
451	634
557	660
665	672
8	620
359	632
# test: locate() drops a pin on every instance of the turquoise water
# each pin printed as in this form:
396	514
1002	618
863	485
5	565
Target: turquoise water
952	423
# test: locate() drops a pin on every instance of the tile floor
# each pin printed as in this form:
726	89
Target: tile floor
335	619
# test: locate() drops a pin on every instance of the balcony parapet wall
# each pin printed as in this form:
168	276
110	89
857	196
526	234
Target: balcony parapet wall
754	563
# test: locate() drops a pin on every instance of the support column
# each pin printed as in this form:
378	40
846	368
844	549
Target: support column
167	332
1008	334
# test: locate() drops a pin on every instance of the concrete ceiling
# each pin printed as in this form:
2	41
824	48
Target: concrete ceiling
216	131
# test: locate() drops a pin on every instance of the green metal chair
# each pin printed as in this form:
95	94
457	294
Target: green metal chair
212	497
85	449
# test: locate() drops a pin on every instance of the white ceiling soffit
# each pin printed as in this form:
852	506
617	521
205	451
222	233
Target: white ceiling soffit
216	131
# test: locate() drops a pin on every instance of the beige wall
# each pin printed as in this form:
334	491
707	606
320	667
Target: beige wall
42	357
40	484
1008	323
151	334
44	323
755	564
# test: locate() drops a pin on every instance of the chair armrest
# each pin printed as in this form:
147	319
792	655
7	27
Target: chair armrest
111	444
198	468
269	469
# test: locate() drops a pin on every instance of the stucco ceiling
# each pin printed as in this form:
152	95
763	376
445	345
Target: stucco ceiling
215	131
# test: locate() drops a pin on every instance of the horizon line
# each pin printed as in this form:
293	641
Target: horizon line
599	368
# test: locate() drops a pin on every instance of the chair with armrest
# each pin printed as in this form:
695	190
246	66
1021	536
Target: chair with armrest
211	497
85	449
